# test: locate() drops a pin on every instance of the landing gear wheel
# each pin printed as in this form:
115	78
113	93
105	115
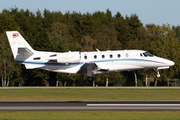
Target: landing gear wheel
158	75
90	78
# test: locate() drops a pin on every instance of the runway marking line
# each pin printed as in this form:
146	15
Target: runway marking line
133	105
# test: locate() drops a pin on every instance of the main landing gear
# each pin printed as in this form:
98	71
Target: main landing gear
90	78
157	70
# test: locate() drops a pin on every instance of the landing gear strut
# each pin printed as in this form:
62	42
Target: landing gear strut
90	78
157	70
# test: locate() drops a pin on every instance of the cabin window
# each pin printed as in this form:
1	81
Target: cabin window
127	55
141	55
118	55
111	56
85	57
103	56
95	56
37	58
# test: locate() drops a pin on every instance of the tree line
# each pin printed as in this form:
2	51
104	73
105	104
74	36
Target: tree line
57	32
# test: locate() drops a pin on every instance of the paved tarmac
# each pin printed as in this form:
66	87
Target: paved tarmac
90	105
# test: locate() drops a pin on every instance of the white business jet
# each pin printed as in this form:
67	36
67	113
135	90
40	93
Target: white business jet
86	63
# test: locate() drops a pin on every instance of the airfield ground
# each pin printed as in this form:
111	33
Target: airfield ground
90	115
88	94
98	94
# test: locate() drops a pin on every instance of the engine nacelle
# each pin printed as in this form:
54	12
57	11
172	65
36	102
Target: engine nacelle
69	57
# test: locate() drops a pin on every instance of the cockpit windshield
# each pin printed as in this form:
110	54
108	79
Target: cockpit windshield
147	54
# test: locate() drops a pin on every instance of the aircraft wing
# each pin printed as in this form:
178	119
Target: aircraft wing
87	67
90	68
101	67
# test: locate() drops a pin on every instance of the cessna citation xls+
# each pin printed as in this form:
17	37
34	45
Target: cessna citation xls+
86	63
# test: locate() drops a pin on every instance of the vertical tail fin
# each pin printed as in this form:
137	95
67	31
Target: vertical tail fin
20	48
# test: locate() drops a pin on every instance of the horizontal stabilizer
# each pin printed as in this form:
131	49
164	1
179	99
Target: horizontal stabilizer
31	66
24	51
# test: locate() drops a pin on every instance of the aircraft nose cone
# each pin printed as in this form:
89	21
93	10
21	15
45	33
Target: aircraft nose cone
170	63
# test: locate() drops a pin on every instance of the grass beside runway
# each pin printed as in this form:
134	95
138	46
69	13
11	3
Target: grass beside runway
89	115
89	94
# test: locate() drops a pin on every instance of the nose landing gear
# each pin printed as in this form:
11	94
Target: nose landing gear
157	70
158	75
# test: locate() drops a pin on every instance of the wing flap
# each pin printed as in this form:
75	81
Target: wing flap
88	68
100	67
84	69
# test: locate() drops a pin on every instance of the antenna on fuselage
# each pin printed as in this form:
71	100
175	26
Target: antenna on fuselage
97	50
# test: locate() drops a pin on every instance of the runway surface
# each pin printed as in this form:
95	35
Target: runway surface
90	105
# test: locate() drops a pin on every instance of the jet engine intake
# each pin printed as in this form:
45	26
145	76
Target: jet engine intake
69	57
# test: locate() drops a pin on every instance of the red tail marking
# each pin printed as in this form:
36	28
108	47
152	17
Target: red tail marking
15	35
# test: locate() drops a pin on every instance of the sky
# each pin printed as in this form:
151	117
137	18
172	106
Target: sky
158	12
